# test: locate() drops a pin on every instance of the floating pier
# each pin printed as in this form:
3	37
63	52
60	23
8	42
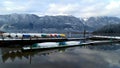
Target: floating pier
97	37
66	44
36	40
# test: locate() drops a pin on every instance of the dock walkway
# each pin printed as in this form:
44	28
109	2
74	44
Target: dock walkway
105	37
70	44
36	40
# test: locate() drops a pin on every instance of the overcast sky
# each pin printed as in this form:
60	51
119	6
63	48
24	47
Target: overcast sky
78	8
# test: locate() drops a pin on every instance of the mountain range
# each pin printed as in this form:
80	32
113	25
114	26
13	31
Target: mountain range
33	23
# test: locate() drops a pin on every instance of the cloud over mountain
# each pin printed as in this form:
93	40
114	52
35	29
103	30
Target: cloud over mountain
78	8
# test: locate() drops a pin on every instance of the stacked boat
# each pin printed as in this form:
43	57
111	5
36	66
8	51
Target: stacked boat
52	45
32	35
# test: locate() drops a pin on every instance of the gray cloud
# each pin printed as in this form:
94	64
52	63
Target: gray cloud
78	8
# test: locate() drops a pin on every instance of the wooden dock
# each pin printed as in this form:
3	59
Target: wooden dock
98	37
30	41
67	46
36	40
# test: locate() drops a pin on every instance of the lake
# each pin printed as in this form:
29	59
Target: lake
89	56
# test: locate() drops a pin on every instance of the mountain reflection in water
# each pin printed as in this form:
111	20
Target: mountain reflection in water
92	56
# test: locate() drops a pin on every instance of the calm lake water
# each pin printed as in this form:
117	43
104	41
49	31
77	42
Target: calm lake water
92	56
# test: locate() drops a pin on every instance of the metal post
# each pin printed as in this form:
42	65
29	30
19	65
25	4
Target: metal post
84	32
2	37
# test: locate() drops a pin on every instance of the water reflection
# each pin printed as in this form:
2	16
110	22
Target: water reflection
13	53
108	46
90	56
